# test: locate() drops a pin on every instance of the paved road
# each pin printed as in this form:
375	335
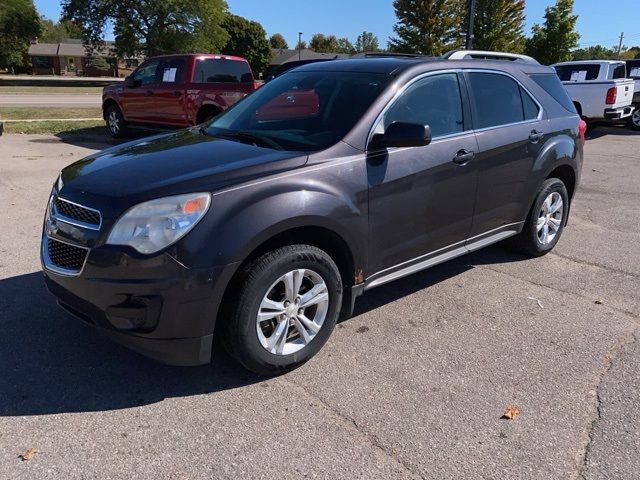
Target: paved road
50	99
412	387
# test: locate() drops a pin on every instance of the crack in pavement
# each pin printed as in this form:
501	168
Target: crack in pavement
351	424
634	317
610	358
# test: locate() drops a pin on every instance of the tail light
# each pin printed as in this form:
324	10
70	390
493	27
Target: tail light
612	93
582	130
256	85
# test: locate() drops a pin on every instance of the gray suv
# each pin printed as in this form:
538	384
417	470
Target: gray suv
265	224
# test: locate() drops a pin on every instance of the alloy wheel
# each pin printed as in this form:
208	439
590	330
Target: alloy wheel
635	118
114	122
292	312
550	218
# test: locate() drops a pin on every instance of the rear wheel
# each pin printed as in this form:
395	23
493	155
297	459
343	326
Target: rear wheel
286	308
546	221
115	122
634	119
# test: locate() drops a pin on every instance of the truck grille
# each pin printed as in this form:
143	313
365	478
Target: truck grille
79	213
63	255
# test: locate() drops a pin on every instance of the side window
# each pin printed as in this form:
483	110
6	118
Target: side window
433	101
171	70
214	70
619	71
147	72
529	107
499	100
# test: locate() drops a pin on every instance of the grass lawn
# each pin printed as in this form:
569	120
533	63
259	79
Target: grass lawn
83	127
43	89
28	113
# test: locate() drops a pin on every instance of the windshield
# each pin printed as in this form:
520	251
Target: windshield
303	111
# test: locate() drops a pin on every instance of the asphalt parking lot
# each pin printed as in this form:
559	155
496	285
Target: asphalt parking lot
413	386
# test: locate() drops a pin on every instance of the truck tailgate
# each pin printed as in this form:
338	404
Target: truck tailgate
624	95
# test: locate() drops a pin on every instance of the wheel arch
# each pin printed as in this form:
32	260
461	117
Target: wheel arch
206	110
108	103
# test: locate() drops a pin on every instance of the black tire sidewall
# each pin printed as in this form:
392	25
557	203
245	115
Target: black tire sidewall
550	186
249	351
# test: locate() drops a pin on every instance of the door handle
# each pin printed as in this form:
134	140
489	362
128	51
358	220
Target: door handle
535	136
463	157
149	93
177	93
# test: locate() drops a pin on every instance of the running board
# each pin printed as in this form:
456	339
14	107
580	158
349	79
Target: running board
435	258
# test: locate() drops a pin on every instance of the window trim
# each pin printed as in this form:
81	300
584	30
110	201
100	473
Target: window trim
496	72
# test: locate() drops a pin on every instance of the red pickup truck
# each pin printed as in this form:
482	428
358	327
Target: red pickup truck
176	91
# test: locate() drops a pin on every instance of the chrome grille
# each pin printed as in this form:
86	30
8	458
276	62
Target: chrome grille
65	256
85	216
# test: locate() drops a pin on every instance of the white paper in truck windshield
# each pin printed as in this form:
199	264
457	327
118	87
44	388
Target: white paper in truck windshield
169	75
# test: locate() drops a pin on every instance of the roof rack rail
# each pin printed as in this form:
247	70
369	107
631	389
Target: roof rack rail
388	55
462	54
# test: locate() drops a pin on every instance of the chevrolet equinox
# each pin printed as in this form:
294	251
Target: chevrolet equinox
264	224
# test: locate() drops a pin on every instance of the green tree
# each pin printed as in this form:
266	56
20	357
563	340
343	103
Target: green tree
19	23
345	46
324	43
367	42
56	32
554	40
247	39
152	27
498	25
596	52
277	41
301	45
428	27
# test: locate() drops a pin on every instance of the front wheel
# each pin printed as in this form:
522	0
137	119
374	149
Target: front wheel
546	221
286	308
115	122
634	119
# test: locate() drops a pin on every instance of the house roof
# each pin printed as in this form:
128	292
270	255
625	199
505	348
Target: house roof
280	56
69	48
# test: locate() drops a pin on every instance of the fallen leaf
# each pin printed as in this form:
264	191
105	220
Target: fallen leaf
599	302
511	413
28	455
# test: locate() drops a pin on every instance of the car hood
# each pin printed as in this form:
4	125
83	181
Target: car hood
179	162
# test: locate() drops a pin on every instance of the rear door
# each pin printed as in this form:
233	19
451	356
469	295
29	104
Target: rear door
168	93
510	133
137	102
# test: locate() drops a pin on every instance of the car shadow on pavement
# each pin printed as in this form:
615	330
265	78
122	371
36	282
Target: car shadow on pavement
601	129
51	363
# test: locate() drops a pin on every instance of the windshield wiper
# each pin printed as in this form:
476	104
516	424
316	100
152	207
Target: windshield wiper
254	139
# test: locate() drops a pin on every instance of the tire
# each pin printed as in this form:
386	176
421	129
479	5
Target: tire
115	122
262	290
531	241
634	119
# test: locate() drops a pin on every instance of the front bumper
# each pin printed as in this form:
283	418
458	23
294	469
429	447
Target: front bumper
618	113
153	305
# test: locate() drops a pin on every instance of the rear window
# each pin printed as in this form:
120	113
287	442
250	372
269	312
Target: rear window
578	72
551	84
215	70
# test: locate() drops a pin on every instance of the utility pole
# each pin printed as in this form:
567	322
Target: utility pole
620	44
299	45
468	44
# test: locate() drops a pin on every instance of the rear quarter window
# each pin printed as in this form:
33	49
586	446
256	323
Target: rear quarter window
619	71
219	70
551	84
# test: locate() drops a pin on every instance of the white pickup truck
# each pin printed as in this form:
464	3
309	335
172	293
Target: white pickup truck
599	89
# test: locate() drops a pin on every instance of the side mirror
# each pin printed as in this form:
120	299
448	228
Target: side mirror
130	82
400	134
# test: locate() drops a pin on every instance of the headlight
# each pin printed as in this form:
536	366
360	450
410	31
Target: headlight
151	226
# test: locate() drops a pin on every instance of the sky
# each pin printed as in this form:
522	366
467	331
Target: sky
599	21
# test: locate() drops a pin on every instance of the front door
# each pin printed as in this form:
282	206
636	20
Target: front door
138	96
510	134
421	199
